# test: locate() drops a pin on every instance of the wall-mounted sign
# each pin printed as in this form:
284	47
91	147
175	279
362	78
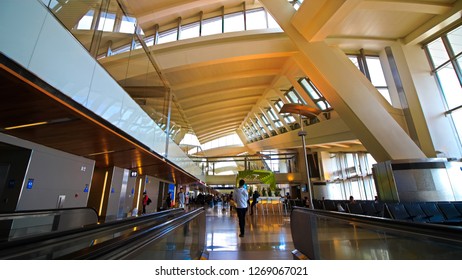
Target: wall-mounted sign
86	188
133	173
30	184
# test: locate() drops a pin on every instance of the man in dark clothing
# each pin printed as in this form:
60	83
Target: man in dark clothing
255	197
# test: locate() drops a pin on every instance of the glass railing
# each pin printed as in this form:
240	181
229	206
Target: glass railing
325	235
118	42
277	163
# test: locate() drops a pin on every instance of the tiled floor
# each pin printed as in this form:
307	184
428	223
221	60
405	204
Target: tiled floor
267	237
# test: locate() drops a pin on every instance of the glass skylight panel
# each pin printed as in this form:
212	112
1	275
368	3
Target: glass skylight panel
256	19
149	41
106	22
127	25
294	97
278	104
212	26
168	36
234	22
259	124
86	21
190	31
309	89
272	23
289	119
265	120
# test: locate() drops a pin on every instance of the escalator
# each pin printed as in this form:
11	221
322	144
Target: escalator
172	234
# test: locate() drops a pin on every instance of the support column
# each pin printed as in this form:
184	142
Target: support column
348	91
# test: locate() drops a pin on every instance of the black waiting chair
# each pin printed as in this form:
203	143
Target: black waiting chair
355	208
450	212
398	212
416	212
430	209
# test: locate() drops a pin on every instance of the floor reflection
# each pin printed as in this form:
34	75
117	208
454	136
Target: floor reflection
266	236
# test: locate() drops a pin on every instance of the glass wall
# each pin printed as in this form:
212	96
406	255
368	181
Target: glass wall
445	57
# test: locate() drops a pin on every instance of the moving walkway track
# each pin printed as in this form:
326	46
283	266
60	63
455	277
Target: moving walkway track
171	234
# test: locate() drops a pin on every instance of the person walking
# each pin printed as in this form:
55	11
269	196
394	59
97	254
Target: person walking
181	198
145	201
255	197
241	196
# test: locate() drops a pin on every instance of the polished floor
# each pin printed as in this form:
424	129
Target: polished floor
267	235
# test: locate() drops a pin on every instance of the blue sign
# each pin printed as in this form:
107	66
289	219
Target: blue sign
133	191
86	188
112	190
30	184
147	179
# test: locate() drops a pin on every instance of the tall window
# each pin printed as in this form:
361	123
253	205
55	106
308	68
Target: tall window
351	174
371	67
445	55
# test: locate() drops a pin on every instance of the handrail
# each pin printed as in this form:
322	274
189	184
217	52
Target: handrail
44	212
22	248
305	234
120	247
450	233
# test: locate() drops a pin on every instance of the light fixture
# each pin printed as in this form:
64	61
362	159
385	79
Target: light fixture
25	125
302	110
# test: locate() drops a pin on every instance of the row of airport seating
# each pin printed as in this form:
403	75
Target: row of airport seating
447	212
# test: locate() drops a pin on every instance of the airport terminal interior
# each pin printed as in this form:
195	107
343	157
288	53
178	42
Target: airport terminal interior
126	125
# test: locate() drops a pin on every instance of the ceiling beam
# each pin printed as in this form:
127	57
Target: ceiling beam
228	77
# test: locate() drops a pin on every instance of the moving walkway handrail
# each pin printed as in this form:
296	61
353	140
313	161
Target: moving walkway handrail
45	212
304	235
450	233
123	246
25	247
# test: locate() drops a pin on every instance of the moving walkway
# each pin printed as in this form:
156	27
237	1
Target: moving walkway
171	234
